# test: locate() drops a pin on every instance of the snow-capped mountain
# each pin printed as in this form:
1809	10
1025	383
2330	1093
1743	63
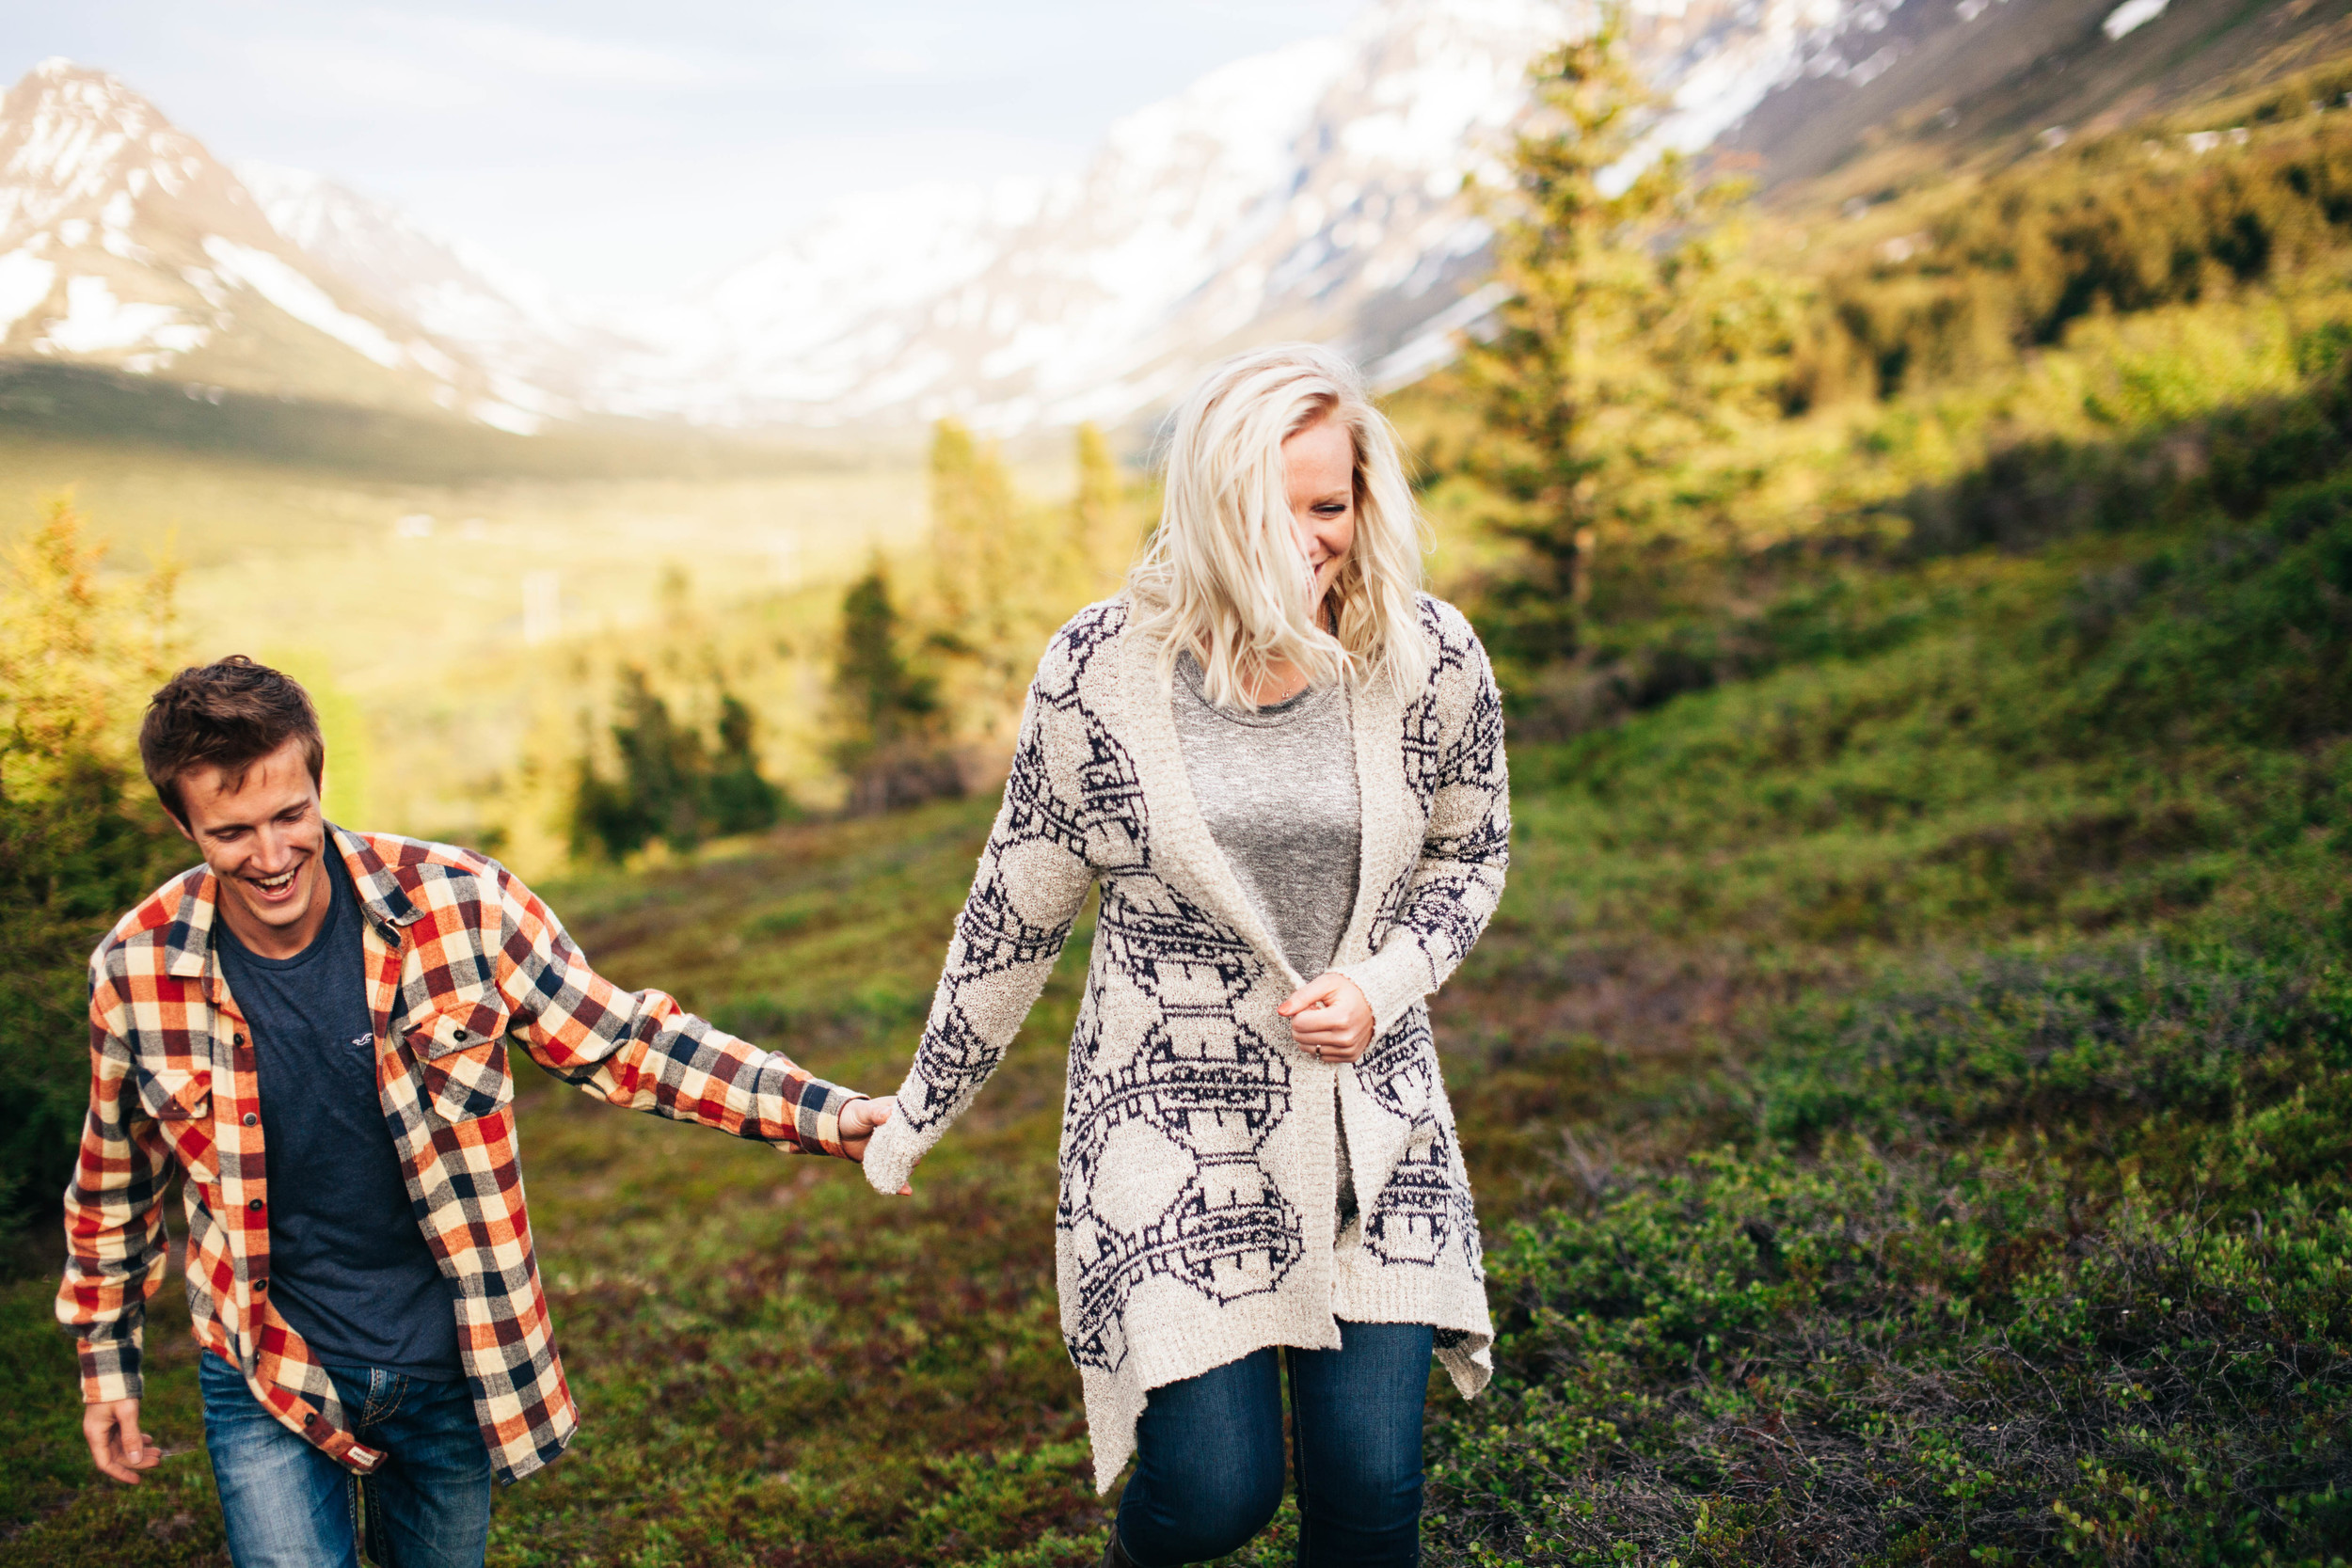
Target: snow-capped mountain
537	352
1316	191
124	244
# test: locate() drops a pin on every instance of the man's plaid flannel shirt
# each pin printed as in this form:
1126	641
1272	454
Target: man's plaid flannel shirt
461	959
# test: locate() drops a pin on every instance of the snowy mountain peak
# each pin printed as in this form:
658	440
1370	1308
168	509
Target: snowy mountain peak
124	244
1315	191
78	143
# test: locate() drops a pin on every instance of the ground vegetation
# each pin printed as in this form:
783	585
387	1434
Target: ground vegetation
1907	1081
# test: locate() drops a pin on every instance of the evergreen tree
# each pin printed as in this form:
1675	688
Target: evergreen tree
1630	339
1100	545
741	800
996	588
81	838
974	520
886	713
671	786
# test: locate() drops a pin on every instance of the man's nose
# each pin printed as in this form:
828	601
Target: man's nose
277	851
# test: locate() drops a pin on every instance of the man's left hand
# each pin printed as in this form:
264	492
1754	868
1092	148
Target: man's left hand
859	1118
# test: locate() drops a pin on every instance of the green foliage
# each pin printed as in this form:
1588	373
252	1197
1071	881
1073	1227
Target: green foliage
1003	574
1628	350
987	559
2124	225
2034	1251
673	784
2225	607
887	715
1863	1359
1679	409
1102	542
81	839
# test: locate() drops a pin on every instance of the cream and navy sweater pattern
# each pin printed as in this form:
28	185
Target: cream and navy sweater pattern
1198	1155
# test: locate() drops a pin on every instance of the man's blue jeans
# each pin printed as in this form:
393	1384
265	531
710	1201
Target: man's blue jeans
1209	1454
289	1506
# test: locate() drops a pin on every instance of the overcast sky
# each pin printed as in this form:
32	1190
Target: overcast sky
621	149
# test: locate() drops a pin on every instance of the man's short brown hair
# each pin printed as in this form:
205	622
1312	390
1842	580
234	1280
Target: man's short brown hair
228	716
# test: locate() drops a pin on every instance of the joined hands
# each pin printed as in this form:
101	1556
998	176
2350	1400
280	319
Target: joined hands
859	1118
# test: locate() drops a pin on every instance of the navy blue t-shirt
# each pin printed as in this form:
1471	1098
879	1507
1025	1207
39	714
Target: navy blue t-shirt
349	1268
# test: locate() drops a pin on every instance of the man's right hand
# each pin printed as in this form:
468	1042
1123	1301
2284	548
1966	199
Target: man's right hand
117	1446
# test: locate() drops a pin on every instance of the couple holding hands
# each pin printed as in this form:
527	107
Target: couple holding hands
1282	764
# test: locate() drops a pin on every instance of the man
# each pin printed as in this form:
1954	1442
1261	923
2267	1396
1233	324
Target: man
314	1026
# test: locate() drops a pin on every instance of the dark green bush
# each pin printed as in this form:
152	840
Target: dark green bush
71	863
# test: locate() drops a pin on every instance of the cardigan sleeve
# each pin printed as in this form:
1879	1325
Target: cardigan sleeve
1454	888
1033	878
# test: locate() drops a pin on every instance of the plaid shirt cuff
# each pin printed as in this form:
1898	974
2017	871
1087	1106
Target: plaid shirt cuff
110	1370
814	1113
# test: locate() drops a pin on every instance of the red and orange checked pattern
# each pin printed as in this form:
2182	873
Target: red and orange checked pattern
462	958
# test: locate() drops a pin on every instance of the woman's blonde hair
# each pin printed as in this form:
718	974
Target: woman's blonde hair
1222	577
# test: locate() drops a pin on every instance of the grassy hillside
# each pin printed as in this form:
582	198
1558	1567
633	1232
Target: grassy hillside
1908	1083
1909	1088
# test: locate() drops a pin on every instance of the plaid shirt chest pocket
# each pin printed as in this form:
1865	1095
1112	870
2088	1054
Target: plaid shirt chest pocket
461	1062
179	1098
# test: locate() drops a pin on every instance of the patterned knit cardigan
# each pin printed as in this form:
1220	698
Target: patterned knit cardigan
1198	1156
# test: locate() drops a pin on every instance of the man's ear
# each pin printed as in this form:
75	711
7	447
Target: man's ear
177	821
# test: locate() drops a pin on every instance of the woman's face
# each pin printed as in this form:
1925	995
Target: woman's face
1319	469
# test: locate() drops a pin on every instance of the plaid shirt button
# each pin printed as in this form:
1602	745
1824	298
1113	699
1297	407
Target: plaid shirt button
255	1205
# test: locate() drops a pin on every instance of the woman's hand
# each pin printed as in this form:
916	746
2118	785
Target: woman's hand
1329	1016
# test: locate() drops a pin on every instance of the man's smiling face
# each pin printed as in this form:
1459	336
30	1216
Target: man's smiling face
265	836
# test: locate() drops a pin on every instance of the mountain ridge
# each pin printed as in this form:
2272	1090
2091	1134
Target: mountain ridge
125	244
1316	191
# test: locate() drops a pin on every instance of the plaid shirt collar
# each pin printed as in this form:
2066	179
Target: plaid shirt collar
188	944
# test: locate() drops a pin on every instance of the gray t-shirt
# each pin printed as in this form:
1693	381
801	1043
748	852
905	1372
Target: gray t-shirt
1278	788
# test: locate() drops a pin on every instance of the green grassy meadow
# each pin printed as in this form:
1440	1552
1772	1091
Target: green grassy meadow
1909	1090
1908	1083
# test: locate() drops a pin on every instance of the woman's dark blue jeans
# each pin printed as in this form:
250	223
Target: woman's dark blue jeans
1209	1454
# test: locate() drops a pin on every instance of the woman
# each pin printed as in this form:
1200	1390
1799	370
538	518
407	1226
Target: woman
1278	760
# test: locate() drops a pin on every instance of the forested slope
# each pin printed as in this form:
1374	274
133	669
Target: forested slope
1909	1082
1909	1090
